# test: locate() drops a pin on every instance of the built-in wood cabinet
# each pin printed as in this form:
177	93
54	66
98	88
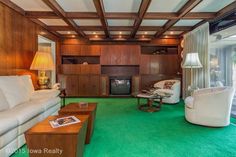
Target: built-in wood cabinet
81	50
159	64
120	55
86	69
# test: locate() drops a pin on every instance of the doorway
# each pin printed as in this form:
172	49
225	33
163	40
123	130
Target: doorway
47	45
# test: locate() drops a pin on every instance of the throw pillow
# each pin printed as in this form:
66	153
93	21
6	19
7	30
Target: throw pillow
14	90
168	84
26	80
3	102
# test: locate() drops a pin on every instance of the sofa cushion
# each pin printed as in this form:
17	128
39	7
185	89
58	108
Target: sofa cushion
3	102
8	122
46	93
14	90
24	111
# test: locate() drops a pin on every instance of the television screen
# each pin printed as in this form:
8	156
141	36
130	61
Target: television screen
120	86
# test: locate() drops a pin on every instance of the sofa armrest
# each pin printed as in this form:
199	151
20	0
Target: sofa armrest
45	93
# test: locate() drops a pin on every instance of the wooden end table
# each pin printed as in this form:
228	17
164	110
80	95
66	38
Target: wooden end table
75	109
66	141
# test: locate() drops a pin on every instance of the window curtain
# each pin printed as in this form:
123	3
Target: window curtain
197	41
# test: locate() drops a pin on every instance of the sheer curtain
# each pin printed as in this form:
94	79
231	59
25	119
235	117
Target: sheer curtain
197	41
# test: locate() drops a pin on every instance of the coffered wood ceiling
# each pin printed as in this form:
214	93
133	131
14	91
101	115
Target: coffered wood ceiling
121	19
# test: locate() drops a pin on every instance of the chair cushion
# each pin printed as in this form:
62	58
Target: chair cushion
46	93
3	102
14	90
165	91
168	84
8	122
189	102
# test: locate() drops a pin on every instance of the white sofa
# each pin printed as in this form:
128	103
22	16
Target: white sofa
21	107
174	90
210	106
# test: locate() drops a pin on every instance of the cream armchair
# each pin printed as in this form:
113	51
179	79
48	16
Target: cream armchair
210	106
174	90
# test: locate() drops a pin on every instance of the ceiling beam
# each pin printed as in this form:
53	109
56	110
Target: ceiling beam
122	15
101	13
226	10
82	15
120	28
60	12
142	11
41	14
181	13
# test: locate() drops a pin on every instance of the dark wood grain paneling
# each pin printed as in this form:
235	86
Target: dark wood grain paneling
18	42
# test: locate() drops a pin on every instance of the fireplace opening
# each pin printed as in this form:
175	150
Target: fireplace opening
120	86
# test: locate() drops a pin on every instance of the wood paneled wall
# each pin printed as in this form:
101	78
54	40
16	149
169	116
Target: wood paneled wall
18	42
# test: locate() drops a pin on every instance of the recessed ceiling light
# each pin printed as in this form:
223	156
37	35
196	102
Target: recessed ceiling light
120	32
94	32
96	36
73	36
145	32
120	36
68	32
171	32
143	36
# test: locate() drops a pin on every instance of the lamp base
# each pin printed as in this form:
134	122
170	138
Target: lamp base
43	80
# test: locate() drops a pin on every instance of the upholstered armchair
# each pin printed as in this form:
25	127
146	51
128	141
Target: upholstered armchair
171	87
210	106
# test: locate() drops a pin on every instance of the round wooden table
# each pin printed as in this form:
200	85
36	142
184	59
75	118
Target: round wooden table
150	106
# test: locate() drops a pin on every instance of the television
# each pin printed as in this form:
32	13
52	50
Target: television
120	86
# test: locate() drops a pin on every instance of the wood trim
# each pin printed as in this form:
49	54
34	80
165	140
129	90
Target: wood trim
228	9
122	15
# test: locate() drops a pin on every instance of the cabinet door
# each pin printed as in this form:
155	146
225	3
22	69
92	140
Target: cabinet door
94	85
83	85
145	64
70	83
73	50
105	58
90	50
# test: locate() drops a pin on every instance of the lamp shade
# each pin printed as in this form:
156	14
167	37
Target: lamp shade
192	61
42	61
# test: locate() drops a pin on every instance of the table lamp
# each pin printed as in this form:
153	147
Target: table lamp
192	62
42	61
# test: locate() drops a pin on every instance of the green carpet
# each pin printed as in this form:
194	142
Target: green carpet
121	130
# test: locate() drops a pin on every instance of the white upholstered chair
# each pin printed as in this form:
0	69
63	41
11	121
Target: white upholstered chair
210	106
174	90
